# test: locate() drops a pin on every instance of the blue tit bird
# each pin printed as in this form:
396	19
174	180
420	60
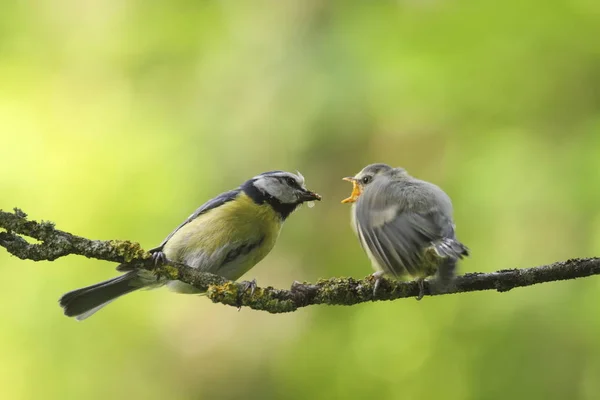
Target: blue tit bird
405	225
226	236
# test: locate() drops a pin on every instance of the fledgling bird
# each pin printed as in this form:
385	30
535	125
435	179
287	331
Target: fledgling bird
226	236
405	225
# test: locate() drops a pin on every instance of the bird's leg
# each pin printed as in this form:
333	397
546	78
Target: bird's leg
247	285
421	288
377	276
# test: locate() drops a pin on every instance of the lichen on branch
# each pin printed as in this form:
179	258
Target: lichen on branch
54	243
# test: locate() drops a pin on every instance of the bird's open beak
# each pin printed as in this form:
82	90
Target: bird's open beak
356	190
307	195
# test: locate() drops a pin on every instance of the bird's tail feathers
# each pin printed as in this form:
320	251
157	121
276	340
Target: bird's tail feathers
82	303
452	248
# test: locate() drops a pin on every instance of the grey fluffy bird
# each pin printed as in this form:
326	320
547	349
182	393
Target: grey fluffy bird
405	225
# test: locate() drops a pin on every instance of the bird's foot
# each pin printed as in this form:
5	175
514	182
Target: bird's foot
378	276
249	285
246	286
159	257
421	288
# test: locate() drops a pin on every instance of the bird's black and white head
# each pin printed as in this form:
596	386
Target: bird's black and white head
284	191
367	175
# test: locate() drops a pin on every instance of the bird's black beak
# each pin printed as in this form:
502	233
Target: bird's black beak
307	195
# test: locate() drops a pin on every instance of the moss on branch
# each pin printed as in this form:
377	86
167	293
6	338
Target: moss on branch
54	243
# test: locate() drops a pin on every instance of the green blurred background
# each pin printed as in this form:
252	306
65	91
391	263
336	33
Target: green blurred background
119	118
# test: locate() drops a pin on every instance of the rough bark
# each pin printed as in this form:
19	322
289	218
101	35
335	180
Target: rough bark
54	243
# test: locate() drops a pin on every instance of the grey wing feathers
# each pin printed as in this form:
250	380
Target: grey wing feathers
209	205
397	222
398	242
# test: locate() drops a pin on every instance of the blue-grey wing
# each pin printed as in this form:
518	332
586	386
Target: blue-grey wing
209	205
397	238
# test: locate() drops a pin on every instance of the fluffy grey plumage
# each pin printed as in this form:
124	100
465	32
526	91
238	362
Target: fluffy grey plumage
405	225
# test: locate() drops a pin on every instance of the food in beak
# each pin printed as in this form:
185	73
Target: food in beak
307	195
356	190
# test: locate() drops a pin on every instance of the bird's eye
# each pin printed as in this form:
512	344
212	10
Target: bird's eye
366	179
291	181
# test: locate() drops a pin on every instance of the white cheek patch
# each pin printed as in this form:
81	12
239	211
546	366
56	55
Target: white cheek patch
276	189
287	196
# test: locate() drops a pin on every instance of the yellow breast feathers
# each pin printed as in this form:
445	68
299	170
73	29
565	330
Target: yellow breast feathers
213	239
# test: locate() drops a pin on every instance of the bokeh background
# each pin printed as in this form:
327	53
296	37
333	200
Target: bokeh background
119	118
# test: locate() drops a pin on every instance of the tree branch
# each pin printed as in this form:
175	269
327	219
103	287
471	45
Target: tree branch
54	243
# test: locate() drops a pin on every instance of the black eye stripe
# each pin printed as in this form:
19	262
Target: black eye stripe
293	182
288	180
